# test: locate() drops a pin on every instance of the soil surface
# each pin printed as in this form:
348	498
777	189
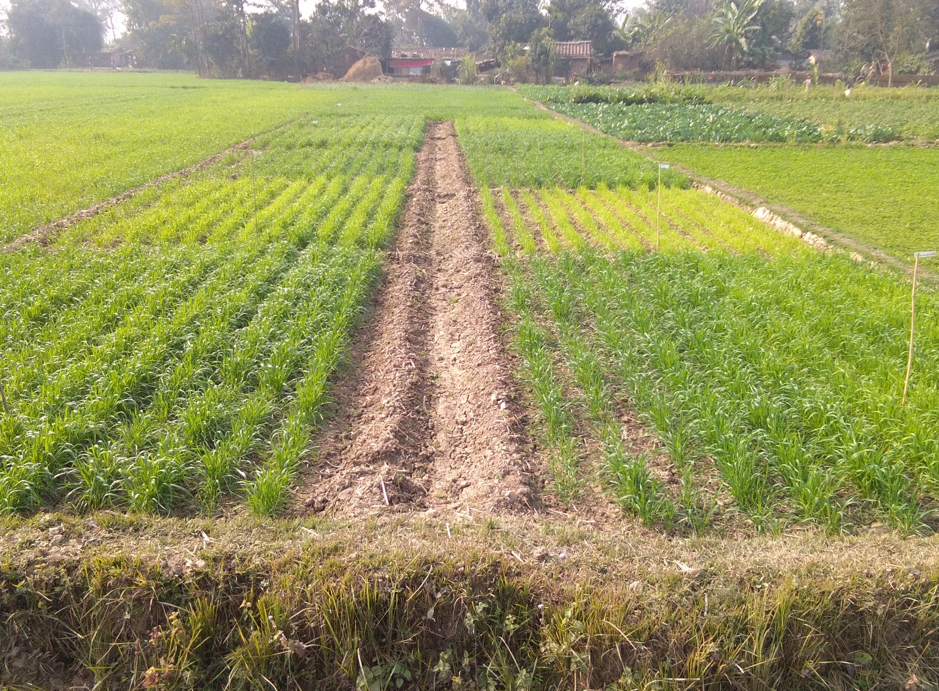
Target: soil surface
430	419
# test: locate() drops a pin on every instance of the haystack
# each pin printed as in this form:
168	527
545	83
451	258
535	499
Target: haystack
365	70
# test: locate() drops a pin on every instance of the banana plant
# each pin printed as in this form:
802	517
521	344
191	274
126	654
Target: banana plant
732	27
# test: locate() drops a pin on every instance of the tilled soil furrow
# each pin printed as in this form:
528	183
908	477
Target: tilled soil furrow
478	464
431	417
374	450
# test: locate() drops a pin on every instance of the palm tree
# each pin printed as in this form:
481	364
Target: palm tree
732	28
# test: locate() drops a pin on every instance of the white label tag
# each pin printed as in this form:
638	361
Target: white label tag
925	255
663	165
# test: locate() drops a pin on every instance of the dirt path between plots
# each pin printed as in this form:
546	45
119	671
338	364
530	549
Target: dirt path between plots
47	234
431	418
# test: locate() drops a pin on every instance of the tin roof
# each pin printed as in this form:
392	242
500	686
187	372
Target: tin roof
573	49
431	53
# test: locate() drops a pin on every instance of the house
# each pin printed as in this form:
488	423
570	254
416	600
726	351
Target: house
627	61
115	57
417	61
573	57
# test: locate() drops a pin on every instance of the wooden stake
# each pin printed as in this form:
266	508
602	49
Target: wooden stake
583	156
658	212
909	361
384	491
3	397
254	188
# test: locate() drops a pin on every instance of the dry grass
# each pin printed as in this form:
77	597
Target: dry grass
115	601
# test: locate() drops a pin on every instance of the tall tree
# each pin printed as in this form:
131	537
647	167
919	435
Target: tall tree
644	26
104	10
169	34
49	33
408	18
880	30
732	28
580	20
808	32
774	19
468	23
510	22
270	43
336	26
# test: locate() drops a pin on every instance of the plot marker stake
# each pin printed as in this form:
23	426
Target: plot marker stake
658	210
583	156
3	397
909	362
254	189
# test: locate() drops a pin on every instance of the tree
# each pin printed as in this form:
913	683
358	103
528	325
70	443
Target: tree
880	30
104	10
809	31
644	26
684	44
732	27
584	20
437	32
168	34
337	26
692	9
773	19
408	18
468	24
510	21
222	45
270	40
49	33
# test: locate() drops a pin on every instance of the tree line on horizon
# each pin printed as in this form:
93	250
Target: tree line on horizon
270	38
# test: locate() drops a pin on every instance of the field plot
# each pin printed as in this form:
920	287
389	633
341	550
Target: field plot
671	113
73	139
150	378
533	151
423	388
910	113
778	370
880	196
874	196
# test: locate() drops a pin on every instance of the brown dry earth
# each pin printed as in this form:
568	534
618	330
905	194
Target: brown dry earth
430	418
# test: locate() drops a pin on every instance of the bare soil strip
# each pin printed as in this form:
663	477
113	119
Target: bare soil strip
432	419
47	234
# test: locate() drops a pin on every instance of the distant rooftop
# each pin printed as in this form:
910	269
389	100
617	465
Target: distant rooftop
429	53
573	49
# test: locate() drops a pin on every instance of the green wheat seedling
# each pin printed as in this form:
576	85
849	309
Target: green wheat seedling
636	490
520	229
491	216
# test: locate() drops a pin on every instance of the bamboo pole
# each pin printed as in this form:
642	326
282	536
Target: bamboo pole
909	361
658	212
583	156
